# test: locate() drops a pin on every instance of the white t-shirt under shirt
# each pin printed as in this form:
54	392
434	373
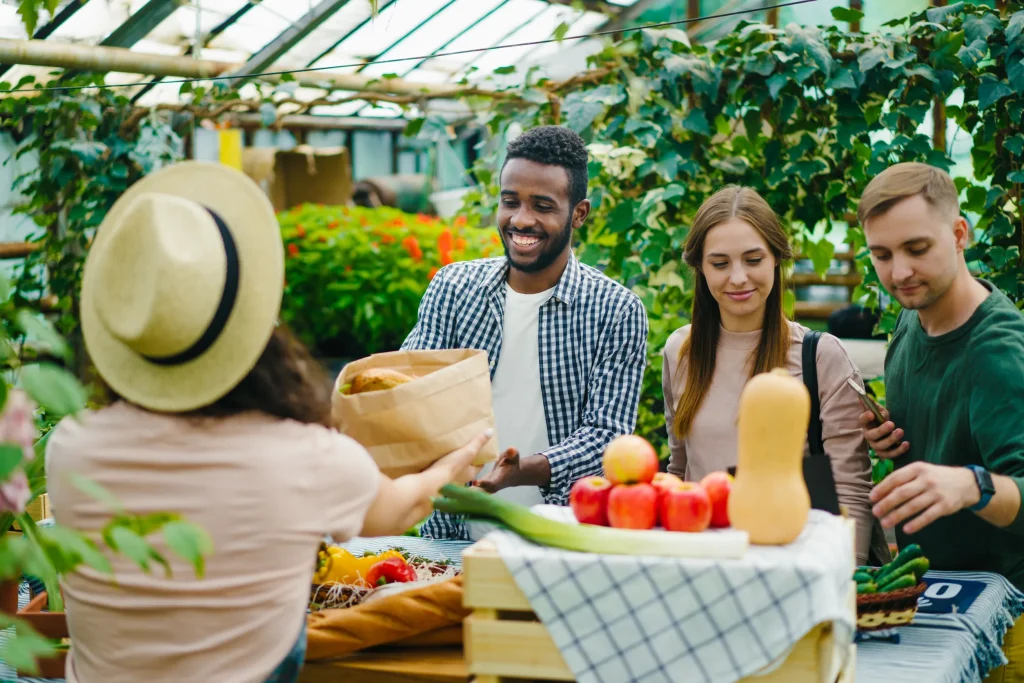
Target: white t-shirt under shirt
515	390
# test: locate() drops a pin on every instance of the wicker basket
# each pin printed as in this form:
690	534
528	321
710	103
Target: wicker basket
879	611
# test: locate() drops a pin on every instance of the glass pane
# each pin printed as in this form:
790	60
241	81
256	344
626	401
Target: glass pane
487	33
390	26
10	23
190	24
93	22
340	24
441	28
541	28
252	32
588	23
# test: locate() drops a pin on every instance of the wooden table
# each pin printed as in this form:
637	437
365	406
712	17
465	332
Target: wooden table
435	665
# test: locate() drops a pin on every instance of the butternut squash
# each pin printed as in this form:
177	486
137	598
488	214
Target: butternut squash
769	498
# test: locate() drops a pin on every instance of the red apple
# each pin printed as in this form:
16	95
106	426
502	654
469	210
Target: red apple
588	499
630	459
633	506
718	485
662	482
686	507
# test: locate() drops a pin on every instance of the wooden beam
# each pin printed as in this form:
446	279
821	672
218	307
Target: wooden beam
12	250
859	6
818	310
834	279
116	59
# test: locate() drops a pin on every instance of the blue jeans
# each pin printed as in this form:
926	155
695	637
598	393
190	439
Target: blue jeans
288	670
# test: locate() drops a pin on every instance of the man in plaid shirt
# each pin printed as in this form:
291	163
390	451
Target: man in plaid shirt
566	344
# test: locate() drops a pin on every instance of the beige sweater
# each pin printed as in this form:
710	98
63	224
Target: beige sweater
711	444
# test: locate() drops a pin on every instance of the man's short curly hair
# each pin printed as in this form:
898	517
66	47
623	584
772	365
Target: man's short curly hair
555	146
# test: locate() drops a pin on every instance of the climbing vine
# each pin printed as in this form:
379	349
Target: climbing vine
805	115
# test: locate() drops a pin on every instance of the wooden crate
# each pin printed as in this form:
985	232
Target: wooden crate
38	510
502	616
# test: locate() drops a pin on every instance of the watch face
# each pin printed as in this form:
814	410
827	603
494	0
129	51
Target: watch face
985	482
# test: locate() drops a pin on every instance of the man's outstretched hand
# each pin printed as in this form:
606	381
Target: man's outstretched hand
504	474
511	470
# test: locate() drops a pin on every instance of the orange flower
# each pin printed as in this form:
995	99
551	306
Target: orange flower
323	238
495	238
398	223
460	243
412	245
387	239
444	241
300	231
364	221
460	221
293	250
446	258
424	218
333	225
486	252
432	273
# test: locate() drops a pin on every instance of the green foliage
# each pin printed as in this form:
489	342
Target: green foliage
354	277
31	10
89	148
806	116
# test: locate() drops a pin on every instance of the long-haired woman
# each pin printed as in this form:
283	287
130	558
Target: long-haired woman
737	248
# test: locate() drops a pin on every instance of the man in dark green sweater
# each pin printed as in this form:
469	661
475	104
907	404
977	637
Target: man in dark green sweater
954	379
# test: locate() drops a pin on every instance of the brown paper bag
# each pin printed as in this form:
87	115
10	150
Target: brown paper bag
409	427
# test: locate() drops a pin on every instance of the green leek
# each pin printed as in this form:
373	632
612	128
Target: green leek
587	538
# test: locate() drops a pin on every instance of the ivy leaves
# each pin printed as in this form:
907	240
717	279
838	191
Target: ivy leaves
807	116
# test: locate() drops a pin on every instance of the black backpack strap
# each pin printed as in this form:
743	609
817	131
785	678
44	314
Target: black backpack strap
810	370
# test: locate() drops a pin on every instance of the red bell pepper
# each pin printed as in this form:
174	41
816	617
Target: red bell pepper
391	570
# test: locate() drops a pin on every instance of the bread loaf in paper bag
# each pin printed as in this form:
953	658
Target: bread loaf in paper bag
413	407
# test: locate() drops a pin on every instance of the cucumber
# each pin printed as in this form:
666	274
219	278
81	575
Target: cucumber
914	569
911	552
868	587
863	577
905	581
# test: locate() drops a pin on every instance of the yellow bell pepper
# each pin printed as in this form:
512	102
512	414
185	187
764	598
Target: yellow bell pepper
340	566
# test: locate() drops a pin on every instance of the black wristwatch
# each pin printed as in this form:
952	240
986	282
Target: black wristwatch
985	485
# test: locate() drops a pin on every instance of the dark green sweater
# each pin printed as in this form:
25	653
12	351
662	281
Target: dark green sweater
960	399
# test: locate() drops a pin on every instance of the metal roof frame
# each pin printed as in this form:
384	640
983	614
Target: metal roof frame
214	32
137	26
285	41
382	5
408	33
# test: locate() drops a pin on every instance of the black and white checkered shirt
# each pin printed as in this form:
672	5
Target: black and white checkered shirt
593	340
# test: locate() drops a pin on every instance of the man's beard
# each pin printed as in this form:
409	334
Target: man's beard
553	249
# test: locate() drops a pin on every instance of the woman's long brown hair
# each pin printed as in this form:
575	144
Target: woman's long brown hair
286	382
701	347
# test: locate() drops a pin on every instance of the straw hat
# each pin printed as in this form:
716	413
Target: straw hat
182	286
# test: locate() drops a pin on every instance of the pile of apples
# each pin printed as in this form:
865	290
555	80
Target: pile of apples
633	494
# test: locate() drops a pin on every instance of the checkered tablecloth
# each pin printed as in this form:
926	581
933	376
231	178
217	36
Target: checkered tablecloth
623	619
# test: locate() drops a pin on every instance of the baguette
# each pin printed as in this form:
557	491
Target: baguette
337	632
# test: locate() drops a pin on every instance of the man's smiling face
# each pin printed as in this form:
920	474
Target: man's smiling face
535	217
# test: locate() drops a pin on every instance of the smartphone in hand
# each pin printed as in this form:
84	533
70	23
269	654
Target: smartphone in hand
868	402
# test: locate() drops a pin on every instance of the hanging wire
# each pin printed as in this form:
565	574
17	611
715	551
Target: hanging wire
454	53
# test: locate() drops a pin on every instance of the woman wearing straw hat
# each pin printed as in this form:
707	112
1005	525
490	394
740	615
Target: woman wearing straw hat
220	416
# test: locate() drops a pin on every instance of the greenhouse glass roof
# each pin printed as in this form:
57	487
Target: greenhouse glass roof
274	35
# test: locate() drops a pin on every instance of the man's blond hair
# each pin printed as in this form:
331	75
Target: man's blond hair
906	180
